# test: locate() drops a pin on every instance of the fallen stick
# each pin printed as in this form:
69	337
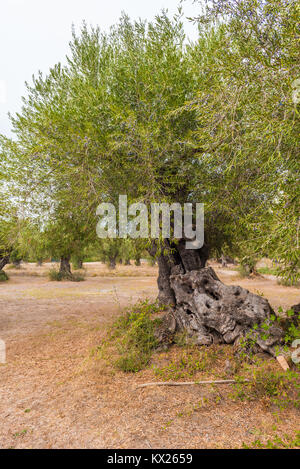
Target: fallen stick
189	383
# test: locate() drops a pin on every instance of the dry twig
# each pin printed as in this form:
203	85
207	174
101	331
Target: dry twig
189	383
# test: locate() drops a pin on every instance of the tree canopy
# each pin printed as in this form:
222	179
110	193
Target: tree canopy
143	112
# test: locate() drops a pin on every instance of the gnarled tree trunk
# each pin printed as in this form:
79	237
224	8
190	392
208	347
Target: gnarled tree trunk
175	258
212	312
209	311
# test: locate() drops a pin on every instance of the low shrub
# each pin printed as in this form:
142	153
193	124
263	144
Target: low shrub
276	442
133	337
275	387
3	276
57	276
188	363
243	272
268	270
288	282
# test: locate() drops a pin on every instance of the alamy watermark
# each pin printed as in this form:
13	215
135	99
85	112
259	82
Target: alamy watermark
136	222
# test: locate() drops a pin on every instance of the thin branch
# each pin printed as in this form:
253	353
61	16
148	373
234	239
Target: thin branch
189	383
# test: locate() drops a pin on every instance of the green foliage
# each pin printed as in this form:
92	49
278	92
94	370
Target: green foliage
76	262
268	270
181	339
279	388
133	336
3	276
249	123
293	327
187	365
111	251
57	276
137	111
289	280
290	324
243	271
277	442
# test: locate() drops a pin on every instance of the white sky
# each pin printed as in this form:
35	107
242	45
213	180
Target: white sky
34	35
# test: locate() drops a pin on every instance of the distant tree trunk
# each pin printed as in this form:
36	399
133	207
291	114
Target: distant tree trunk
138	262
127	262
3	261
112	263
65	267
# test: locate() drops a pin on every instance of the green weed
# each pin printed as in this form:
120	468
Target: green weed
3	276
133	337
57	276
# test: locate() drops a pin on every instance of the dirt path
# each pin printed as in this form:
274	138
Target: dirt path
56	394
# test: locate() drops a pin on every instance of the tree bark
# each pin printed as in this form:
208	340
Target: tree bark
112	263
212	312
65	267
175	258
209	311
3	261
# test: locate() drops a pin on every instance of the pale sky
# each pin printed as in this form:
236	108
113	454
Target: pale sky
34	35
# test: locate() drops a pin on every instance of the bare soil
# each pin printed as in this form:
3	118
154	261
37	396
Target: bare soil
56	393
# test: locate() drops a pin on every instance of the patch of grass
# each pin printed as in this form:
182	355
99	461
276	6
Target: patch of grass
243	271
288	282
57	276
276	442
77	277
188	364
292	327
274	387
185	367
14	267
181	339
54	275
290	323
268	270
3	276
22	433
132	337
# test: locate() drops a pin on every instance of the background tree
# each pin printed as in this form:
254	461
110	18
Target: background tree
250	120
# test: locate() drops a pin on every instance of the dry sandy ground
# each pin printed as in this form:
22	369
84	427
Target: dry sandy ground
54	393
